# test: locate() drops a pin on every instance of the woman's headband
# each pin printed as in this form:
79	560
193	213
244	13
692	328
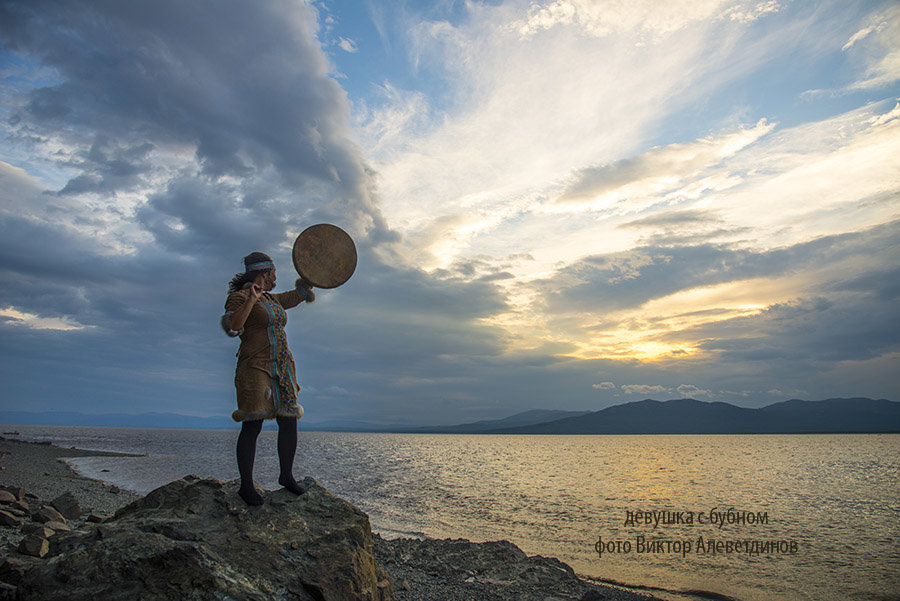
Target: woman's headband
261	266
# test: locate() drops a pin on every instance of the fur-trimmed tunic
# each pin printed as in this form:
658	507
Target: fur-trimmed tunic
265	376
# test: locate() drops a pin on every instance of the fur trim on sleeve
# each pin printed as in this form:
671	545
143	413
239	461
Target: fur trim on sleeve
226	325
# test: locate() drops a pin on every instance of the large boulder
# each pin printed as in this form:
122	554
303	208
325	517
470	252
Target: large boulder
67	505
195	539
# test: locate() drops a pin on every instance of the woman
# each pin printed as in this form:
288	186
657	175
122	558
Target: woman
265	377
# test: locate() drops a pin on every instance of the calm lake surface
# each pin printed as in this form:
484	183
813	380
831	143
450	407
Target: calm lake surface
834	498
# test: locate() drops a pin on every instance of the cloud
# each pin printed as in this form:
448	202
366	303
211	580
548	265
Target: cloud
683	218
145	155
182	151
519	124
108	167
526	117
348	45
647	16
685	390
29	320
622	280
684	227
859	35
169	101
689	390
752	11
713	302
193	216
199	137
660	168
854	327
643	389
877	45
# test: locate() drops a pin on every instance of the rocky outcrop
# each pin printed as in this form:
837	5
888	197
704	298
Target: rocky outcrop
457	570
195	539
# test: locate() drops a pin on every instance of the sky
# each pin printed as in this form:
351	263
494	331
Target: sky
562	204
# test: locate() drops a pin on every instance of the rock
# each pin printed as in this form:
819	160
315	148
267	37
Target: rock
21	506
67	505
196	539
498	570
8	519
36	546
47	514
57	526
39	529
7	498
593	596
13	569
97	519
17	491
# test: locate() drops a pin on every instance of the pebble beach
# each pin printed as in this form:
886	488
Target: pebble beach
38	473
40	469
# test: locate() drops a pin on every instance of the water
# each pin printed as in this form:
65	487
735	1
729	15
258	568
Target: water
836	496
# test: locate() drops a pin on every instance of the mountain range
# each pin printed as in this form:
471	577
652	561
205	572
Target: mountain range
679	416
690	416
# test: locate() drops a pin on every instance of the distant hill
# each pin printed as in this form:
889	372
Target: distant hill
681	416
526	418
690	416
118	420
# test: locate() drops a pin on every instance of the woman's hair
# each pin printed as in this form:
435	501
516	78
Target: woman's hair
240	279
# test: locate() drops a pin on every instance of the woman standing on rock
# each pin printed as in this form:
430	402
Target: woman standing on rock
265	377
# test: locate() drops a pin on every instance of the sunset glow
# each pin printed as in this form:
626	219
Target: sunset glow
691	198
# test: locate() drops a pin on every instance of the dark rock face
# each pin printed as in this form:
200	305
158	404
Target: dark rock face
34	545
454	570
195	539
47	514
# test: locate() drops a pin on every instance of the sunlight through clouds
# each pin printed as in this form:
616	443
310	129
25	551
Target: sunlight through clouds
521	129
600	19
525	142
657	171
561	199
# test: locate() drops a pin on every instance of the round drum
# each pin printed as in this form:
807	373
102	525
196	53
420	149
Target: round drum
324	255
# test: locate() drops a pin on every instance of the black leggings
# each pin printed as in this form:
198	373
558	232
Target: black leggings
246	448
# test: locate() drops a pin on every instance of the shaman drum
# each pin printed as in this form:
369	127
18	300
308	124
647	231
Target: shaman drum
324	255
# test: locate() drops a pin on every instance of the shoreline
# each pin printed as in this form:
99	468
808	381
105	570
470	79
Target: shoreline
40	469
430	569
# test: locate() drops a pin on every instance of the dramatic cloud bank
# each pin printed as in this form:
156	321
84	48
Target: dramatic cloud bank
562	204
